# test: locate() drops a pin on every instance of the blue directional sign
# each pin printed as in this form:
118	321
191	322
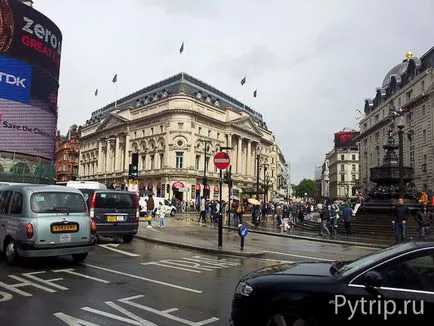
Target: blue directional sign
243	231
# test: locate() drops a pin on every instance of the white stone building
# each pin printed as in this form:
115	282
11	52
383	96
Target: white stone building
409	88
174	126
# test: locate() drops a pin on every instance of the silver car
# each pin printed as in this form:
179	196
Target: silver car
44	220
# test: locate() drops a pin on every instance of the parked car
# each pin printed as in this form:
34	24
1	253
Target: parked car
42	220
116	213
392	286
170	209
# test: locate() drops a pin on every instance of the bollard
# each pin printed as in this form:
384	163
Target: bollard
242	231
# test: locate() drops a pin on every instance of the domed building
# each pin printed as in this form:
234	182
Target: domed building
173	129
407	88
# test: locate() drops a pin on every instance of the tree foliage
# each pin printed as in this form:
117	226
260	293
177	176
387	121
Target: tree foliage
306	186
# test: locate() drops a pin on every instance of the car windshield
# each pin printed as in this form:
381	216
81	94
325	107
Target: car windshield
344	268
57	202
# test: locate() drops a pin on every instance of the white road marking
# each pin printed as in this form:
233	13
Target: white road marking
174	267
4	296
72	321
164	314
298	256
109	247
115	245
168	311
24	282
46	282
133	319
72	272
143	278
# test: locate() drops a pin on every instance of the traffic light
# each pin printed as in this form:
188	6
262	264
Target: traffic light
227	178
133	167
132	172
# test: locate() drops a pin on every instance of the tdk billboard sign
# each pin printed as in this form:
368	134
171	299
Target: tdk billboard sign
15	80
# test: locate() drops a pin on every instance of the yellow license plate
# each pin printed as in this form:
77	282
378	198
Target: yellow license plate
64	228
111	218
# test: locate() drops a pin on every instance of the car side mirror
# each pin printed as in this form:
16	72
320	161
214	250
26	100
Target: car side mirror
373	279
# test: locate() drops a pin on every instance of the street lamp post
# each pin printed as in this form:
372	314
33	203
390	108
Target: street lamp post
258	156
400	125
205	182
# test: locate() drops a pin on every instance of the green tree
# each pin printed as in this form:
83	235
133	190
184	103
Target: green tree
306	186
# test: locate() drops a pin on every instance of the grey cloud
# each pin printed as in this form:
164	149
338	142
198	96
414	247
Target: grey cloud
254	62
204	8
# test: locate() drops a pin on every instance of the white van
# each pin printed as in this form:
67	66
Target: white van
170	209
86	185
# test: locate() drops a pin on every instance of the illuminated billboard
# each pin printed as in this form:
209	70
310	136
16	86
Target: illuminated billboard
30	48
345	139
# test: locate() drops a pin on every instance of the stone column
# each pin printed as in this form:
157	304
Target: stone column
249	158
100	157
166	151
117	155
239	152
107	157
127	152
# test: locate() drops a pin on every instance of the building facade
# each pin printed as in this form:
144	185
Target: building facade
407	88
343	172
175	127
66	158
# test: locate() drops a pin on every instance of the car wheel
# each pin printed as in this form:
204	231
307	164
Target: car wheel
11	253
173	212
79	257
127	238
288	319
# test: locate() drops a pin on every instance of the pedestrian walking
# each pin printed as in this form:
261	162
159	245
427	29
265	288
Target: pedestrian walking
399	224
161	213
424	220
325	219
150	206
347	215
202	207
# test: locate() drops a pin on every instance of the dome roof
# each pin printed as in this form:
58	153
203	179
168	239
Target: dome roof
399	69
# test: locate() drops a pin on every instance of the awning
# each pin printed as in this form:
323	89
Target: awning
178	185
197	186
150	186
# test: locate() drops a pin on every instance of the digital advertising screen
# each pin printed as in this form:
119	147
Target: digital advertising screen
30	47
345	139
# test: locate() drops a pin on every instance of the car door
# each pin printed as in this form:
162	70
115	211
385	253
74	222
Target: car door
406	294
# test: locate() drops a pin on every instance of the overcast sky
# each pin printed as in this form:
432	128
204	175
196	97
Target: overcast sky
313	62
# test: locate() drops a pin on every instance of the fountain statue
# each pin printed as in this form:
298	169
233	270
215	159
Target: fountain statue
382	197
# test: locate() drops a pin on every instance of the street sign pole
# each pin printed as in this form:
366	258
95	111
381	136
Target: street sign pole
220	230
221	161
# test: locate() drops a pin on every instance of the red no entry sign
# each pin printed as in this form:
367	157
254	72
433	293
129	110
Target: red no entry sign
221	160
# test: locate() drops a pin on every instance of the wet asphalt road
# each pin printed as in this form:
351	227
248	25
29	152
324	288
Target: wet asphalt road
131	284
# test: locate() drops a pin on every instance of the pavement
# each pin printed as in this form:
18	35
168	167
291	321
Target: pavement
188	233
184	231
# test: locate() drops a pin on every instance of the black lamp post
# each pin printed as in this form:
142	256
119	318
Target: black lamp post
267	181
258	157
400	125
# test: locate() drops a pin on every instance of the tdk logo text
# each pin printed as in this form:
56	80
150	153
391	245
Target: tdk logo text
12	80
15	80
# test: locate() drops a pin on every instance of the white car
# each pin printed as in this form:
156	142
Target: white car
170	209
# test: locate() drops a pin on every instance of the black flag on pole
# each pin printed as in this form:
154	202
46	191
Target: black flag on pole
255	93
115	78
243	81
96	92
181	49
